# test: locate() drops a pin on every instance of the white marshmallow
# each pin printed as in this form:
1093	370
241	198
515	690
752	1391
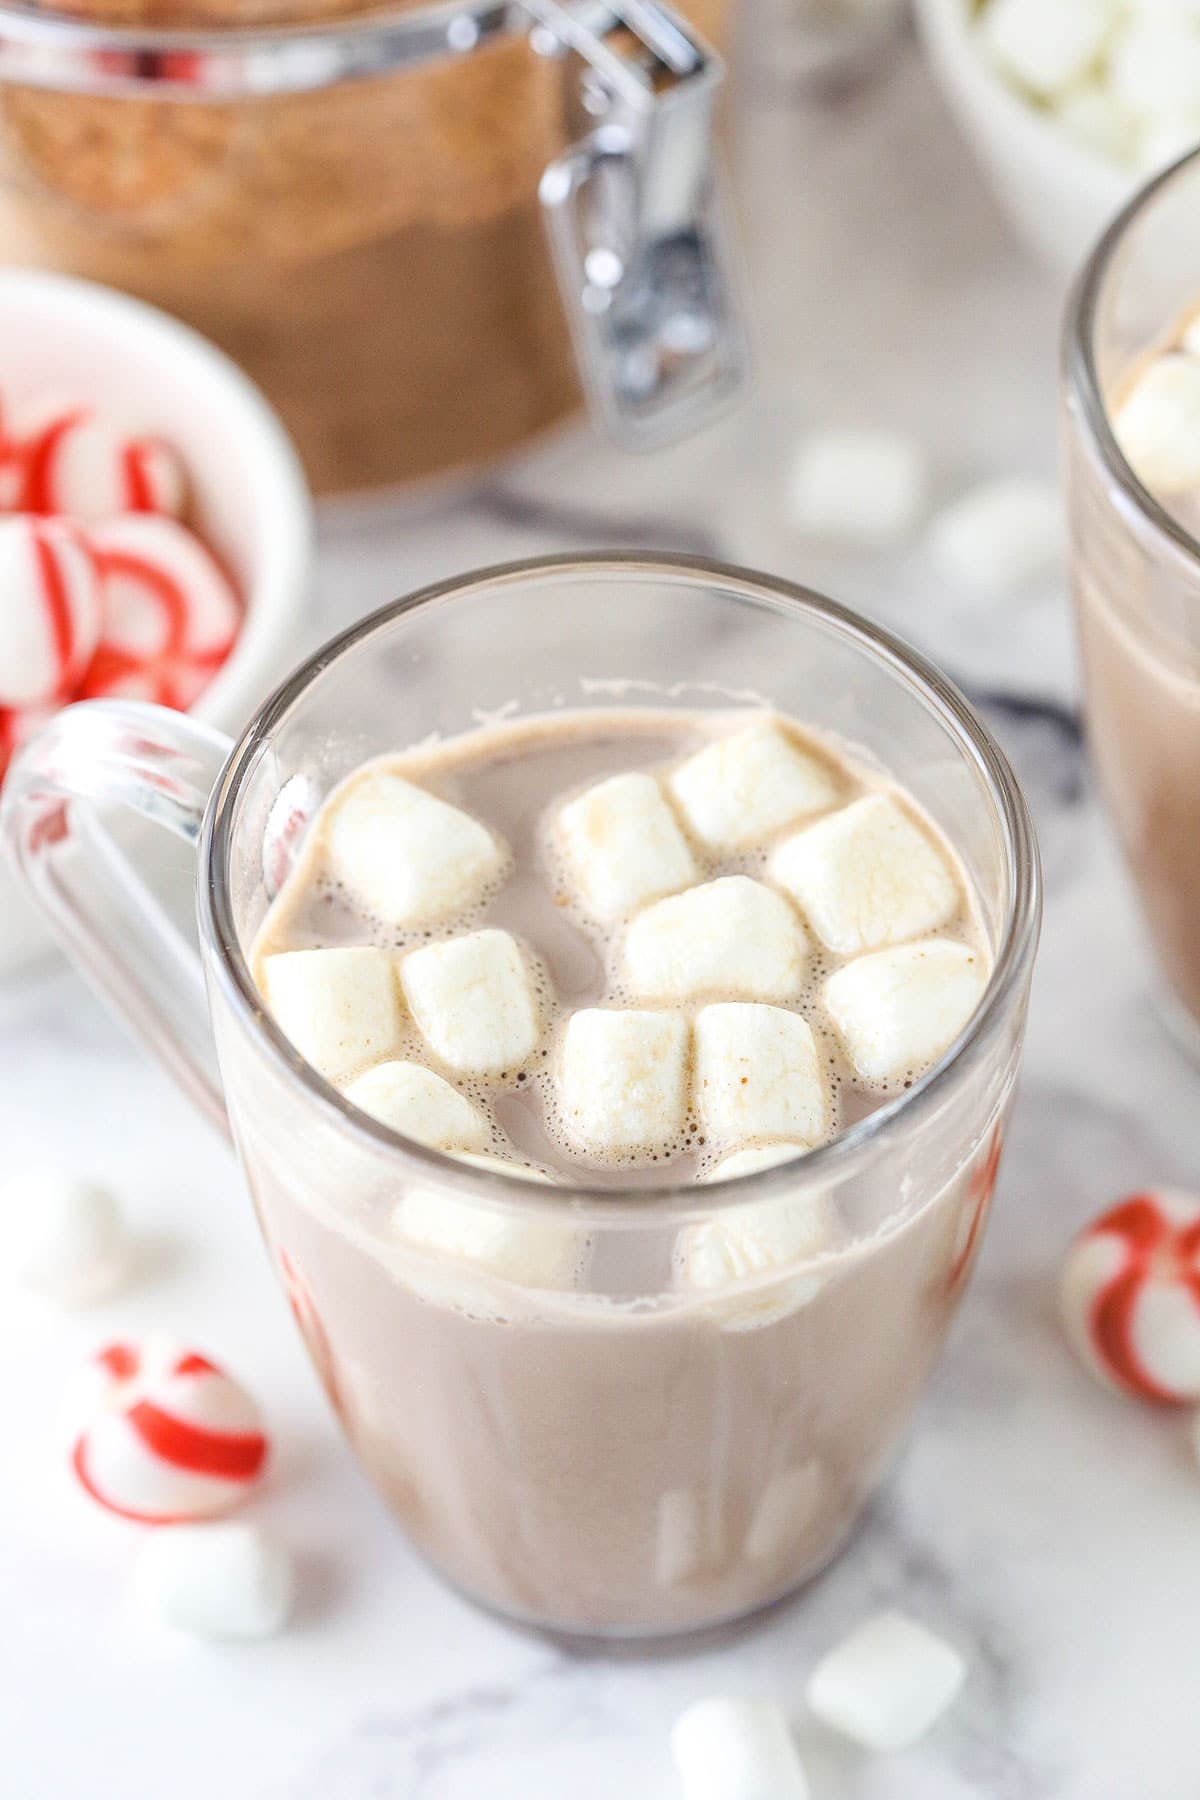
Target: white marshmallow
887	1683
420	1105
339	1007
473	1002
1163	141
228	1581
743	788
747	1241
623	846
863	487
690	1537
758	1074
534	1250
623	1080
866	876
1090	116
1157	425
1002	537
1191	337
749	1162
1046	45
732	936
898	1010
66	1238
405	855
733	1749
1154	68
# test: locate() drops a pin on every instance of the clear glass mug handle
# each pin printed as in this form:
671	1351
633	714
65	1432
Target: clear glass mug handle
160	766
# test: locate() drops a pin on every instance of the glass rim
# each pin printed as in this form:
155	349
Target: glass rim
1081	380
1017	940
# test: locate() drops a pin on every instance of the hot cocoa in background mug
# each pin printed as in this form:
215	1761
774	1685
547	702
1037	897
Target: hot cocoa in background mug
623	1286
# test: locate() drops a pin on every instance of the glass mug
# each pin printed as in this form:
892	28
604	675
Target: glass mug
617	1457
1136	577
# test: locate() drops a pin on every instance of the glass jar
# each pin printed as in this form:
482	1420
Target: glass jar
347	201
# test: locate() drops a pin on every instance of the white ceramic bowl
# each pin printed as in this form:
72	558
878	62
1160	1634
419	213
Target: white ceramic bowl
251	499
1058	194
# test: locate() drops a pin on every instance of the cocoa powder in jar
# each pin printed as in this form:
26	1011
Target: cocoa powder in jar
371	253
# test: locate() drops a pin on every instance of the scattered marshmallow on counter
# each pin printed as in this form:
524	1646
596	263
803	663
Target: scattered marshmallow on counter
732	935
1002	537
50	619
745	787
228	1581
421	1105
1157	424
623	1081
67	1239
74	462
866	877
164	1434
887	1683
863	487
340	1007
623	846
758	1074
733	1749
1130	1296
1046	46
406	856
898	1010
473	1001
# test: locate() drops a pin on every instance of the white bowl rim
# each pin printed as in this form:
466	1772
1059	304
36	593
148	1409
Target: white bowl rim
280	582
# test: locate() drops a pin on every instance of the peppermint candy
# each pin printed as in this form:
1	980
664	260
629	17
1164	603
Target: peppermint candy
50	616
166	1435
1130	1296
72	462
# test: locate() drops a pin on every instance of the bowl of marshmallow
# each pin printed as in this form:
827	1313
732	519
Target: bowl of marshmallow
1069	104
155	525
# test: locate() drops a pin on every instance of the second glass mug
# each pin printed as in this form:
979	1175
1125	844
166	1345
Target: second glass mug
616	1458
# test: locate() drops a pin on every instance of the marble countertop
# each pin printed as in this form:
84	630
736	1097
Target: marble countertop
1051	1530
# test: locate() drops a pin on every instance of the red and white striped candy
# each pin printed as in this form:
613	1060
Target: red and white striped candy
73	462
49	610
1131	1296
170	614
166	1435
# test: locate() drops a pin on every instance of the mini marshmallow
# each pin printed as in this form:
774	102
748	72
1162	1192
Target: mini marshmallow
898	1010
473	1002
887	1683
785	1511
1090	116
67	1238
1157	424
623	846
1163	141
339	1007
406	856
1046	45
534	1250
50	617
758	1074
749	1162
623	1080
420	1105
745	787
734	1749
742	1242
689	1535
866	876
227	1581
1003	537
732	936
863	487
1154	68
